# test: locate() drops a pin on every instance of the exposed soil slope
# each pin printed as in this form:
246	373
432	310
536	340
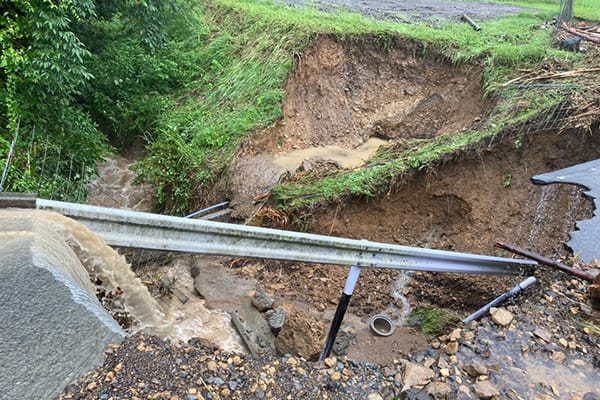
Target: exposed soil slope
343	92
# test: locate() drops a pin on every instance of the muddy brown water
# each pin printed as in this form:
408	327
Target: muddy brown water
170	317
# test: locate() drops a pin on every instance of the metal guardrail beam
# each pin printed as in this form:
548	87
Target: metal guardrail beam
152	231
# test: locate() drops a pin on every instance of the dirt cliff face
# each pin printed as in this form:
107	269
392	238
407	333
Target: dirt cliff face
342	93
470	203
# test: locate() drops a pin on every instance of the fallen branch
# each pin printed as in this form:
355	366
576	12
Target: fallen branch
547	261
586	114
565	74
519	78
582	34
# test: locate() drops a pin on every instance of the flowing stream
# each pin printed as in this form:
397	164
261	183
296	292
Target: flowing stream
168	317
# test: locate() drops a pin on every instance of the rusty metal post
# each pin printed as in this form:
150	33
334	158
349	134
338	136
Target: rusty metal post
546	261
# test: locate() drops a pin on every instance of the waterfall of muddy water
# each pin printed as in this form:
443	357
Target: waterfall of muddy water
401	308
346	158
115	187
104	263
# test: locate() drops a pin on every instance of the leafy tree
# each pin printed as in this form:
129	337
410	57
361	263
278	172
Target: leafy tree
42	71
71	68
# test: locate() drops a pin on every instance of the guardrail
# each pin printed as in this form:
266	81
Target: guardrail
127	228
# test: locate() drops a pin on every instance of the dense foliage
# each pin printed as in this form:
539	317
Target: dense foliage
70	67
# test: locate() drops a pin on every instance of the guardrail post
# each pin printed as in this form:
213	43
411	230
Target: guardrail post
340	311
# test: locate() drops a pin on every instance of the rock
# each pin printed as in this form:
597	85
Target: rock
409	91
416	375
374	396
261	300
486	391
501	316
452	348
542	334
442	363
345	338
438	390
276	319
455	334
475	369
330	362
212	366
292	361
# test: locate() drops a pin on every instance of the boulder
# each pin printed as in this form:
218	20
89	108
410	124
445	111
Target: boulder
416	375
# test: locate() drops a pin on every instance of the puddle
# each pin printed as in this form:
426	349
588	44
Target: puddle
345	158
552	370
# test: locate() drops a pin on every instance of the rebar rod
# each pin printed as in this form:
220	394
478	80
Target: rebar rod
547	261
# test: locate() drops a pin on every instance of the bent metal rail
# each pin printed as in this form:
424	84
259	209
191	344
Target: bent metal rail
127	228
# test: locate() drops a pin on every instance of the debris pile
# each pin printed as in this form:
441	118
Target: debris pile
582	31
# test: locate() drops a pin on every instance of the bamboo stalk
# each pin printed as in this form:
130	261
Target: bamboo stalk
583	34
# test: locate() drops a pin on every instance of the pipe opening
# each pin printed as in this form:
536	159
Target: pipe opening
381	325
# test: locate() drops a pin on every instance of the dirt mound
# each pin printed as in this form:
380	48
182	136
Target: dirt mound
302	335
342	93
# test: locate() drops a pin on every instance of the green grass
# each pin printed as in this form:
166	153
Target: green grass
242	65
433	321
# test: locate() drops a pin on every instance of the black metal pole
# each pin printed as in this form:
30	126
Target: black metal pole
340	311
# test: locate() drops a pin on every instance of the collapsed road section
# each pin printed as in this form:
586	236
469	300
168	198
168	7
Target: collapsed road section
584	240
127	228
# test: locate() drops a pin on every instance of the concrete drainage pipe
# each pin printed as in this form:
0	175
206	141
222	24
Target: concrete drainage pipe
382	325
